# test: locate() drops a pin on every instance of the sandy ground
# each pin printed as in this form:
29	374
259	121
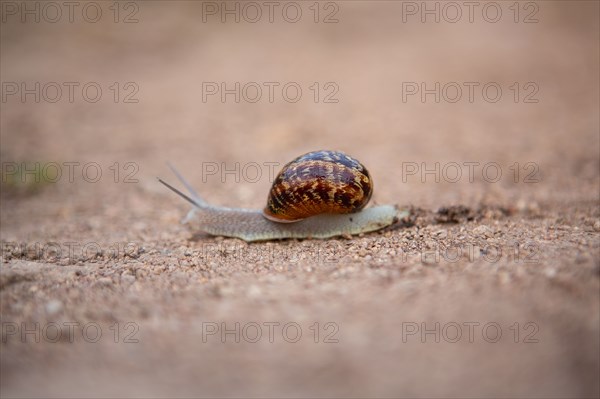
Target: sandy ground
490	288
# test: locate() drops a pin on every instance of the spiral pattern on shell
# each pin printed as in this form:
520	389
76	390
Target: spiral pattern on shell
316	183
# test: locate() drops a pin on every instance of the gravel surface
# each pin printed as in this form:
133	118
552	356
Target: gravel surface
490	288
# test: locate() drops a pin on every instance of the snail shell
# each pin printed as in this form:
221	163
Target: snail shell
319	182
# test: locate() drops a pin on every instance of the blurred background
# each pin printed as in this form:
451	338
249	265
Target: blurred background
123	87
368	57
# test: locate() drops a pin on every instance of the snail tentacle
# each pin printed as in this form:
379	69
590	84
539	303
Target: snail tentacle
197	199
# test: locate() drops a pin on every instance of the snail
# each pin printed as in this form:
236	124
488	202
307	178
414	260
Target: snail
320	194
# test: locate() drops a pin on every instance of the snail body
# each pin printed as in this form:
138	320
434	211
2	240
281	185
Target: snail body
321	194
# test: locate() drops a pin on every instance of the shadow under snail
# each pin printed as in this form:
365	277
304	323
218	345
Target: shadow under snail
320	194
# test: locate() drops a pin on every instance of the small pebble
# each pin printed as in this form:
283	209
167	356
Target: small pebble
505	278
127	278
104	281
429	260
254	291
483	230
550	272
53	307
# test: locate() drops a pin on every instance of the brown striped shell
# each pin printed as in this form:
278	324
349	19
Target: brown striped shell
318	182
